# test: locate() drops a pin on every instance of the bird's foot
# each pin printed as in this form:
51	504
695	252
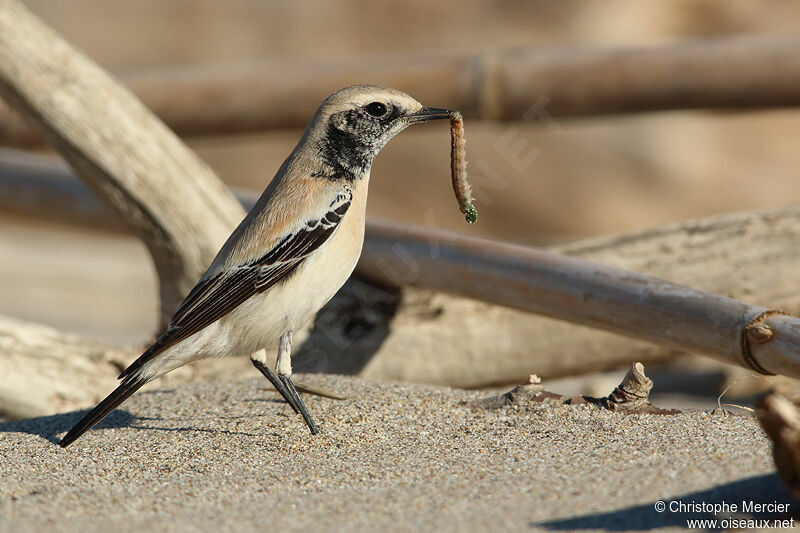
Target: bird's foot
277	383
297	403
284	385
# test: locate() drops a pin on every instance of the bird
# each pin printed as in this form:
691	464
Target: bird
290	254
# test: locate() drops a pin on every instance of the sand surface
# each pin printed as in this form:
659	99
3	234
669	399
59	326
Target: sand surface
202	457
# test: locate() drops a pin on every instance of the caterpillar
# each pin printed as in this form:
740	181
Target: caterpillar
458	168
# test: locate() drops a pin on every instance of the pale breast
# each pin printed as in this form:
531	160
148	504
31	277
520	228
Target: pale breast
322	275
260	321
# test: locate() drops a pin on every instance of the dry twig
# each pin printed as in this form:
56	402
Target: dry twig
633	392
630	396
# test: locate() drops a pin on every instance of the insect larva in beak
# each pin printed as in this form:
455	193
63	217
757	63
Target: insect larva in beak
458	167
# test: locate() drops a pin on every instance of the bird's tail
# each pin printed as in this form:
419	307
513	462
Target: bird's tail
120	394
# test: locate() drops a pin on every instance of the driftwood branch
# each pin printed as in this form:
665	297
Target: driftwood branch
568	288
744	255
46	371
128	157
518	84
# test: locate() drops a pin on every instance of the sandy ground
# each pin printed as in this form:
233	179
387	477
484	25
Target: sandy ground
392	457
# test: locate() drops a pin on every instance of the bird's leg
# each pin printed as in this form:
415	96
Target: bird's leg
259	360
284	368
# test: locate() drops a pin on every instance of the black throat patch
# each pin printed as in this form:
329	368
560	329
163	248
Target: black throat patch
348	154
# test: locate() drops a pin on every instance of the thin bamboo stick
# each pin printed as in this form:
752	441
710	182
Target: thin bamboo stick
521	84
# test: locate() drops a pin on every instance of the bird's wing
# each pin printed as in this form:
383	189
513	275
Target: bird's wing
215	296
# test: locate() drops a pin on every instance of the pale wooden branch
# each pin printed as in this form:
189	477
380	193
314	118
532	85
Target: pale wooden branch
743	255
128	157
518	84
568	288
45	371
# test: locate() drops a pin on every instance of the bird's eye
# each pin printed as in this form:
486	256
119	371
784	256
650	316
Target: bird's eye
376	109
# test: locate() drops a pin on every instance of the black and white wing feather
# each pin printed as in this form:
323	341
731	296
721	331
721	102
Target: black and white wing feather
215	296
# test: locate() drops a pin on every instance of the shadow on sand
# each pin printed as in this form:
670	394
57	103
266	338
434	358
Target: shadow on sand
761	489
48	427
53	426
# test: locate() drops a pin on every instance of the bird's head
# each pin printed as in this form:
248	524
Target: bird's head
354	123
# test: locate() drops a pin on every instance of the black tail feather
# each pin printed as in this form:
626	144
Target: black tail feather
112	401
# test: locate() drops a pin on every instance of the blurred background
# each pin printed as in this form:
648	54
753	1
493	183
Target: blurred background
594	176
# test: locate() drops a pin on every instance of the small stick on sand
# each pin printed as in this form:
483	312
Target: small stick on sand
633	392
458	167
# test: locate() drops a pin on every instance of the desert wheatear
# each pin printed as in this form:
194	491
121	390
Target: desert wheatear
290	254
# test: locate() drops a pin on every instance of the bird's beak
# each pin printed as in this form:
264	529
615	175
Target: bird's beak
428	113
